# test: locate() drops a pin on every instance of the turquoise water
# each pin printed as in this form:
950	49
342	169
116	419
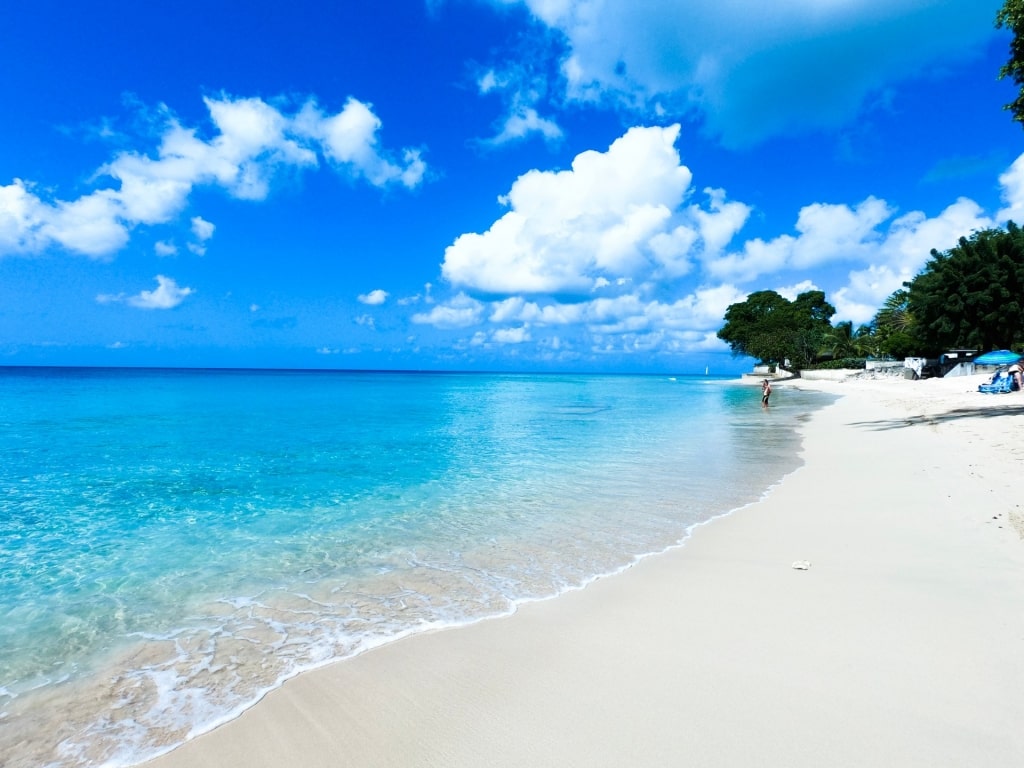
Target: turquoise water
173	544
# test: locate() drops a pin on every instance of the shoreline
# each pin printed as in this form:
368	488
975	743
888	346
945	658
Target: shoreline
899	645
595	514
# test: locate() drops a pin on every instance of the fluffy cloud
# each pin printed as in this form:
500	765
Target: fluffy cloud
22	217
461	312
621	242
825	233
1012	183
349	140
167	295
202	230
884	257
604	248
804	64
612	216
522	83
792	291
251	141
511	335
619	321
165	248
526	122
374	298
91	225
902	253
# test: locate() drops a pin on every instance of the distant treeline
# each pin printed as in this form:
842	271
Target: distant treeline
969	297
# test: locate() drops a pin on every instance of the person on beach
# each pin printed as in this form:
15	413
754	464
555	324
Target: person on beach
766	392
1015	371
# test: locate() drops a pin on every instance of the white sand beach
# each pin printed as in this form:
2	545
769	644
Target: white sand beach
902	644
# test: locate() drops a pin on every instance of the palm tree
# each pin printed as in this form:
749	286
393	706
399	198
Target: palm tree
866	342
894	325
839	341
895	313
842	341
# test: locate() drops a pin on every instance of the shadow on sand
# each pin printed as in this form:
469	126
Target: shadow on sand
990	412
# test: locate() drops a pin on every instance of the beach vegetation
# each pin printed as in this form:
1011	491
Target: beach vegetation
971	296
773	329
968	297
1011	18
892	328
843	341
845	363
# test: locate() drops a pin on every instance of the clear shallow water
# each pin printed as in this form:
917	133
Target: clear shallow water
173	544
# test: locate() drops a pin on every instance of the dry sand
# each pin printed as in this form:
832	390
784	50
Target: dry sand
901	645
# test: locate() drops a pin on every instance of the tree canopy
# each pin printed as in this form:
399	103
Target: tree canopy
971	296
1011	17
968	297
842	340
893	327
773	329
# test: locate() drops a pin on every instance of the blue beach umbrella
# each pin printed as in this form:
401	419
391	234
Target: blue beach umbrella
998	357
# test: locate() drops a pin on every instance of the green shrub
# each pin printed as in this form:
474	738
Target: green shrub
843	362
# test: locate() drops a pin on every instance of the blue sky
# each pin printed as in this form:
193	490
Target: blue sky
570	185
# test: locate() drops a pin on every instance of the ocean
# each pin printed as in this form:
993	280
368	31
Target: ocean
176	543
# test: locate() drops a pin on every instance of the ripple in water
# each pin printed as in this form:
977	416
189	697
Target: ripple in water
175	544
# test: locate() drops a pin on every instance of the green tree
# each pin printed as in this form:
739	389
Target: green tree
971	295
893	326
773	329
895	313
842	340
811	308
1011	17
865	343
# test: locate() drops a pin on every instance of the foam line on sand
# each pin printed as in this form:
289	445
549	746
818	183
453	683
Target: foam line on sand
901	644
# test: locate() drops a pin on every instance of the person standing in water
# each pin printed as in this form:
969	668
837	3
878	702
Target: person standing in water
766	392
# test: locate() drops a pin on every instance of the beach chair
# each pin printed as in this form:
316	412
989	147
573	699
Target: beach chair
997	387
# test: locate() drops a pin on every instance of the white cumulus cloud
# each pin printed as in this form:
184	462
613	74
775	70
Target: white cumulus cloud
373	298
202	230
901	254
1012	183
792	291
165	248
167	295
90	225
461	312
251	140
526	122
349	140
565	230
825	233
583	250
511	335
522	83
